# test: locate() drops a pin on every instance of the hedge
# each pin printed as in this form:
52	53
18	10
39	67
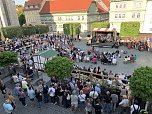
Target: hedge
100	25
72	28
10	32
129	29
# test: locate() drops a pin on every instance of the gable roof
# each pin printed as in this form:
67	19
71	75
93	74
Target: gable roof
32	2
59	6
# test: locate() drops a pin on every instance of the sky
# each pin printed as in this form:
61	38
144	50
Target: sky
20	2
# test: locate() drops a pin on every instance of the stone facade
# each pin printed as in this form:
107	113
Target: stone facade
8	15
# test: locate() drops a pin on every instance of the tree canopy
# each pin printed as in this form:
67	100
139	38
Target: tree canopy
59	67
71	28
8	58
129	29
21	19
100	25
141	83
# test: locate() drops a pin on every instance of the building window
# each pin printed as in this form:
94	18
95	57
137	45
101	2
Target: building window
137	5
133	15
31	6
78	17
123	15
150	29
150	20
116	15
116	5
138	15
119	15
60	26
120	6
59	18
82	17
71	18
124	6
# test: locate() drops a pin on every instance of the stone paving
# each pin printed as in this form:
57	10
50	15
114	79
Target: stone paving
143	59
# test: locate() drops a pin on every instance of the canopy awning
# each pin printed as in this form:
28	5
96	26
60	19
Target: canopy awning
103	29
47	53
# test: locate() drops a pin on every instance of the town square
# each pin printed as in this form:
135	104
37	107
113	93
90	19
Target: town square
76	56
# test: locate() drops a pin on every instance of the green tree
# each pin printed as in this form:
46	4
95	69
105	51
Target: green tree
100	25
10	32
129	29
59	67
8	58
141	83
21	19
72	28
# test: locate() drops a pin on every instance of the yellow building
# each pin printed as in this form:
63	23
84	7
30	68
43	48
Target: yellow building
127	11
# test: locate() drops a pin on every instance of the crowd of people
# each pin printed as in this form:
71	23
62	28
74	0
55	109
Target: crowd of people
77	94
73	93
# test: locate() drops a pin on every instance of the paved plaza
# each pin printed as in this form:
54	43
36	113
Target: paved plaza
143	59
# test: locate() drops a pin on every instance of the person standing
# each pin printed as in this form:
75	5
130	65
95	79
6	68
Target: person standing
114	97
88	107
11	99
31	94
74	101
39	98
45	93
3	88
22	96
124	104
82	98
97	107
7	107
51	92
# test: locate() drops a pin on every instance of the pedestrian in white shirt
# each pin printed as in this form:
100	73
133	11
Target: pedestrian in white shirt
51	92
82	98
134	107
124	104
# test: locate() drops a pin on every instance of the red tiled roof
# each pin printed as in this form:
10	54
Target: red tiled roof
55	6
31	2
106	2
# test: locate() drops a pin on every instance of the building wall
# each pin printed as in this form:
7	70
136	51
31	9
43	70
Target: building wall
3	19
8	13
12	13
127	11
32	16
148	18
56	20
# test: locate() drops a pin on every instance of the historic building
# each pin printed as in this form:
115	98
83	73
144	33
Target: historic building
127	11
147	28
8	15
31	11
55	13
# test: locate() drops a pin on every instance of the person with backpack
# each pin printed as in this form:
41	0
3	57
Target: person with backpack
135	108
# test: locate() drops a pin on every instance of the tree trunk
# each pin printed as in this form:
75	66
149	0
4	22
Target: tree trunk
146	106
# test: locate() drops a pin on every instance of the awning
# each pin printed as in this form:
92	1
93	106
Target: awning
103	29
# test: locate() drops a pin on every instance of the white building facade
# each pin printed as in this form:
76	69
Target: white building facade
147	28
127	11
8	15
85	16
